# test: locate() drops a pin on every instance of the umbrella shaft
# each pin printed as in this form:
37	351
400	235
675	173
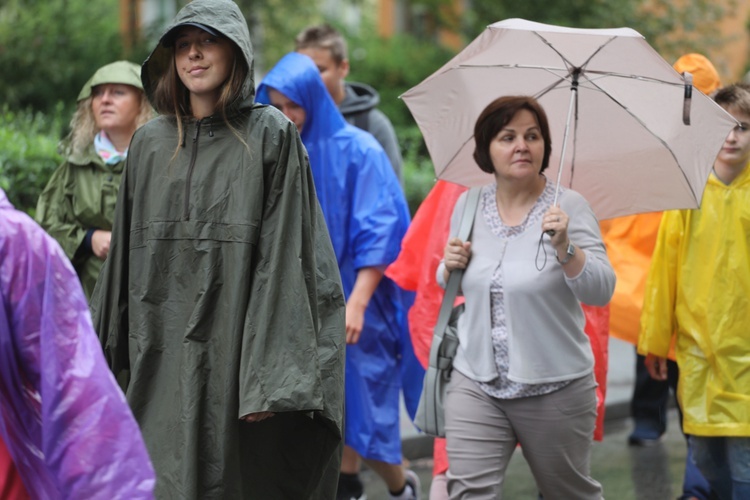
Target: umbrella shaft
573	98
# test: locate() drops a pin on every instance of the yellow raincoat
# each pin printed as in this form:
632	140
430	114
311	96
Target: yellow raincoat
699	287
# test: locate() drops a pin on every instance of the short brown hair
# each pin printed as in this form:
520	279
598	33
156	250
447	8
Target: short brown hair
737	96
323	36
497	115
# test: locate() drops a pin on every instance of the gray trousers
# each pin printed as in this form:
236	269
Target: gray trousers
555	432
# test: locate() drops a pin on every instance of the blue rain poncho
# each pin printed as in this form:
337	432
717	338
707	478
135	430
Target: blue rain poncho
367	217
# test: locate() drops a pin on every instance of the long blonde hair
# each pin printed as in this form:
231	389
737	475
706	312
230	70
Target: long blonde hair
83	127
172	98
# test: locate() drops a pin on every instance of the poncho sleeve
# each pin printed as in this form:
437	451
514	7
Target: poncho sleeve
296	308
658	315
379	214
109	301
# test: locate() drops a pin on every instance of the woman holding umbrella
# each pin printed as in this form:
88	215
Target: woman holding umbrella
524	369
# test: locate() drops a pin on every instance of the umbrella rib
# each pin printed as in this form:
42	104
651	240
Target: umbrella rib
645	127
553	70
633	77
568	64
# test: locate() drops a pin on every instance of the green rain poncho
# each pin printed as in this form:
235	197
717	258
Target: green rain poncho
698	289
81	193
221	296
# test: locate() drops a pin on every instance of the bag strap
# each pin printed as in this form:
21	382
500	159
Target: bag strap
454	279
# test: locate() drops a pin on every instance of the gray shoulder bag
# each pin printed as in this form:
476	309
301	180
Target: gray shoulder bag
430	417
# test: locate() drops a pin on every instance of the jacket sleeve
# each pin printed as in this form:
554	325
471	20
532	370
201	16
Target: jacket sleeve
595	284
54	211
658	314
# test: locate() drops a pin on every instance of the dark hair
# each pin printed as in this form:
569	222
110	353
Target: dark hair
323	36
497	115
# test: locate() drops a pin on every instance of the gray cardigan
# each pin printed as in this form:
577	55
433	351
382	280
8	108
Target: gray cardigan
546	340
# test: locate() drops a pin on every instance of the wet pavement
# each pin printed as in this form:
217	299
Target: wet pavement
625	472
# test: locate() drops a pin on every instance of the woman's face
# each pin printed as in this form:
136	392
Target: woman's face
517	150
291	109
116	107
203	62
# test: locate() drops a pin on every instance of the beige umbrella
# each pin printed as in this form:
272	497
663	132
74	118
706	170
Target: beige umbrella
628	132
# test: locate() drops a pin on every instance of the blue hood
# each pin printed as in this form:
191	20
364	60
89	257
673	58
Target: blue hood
297	77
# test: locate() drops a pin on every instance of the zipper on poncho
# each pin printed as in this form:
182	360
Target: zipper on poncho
190	169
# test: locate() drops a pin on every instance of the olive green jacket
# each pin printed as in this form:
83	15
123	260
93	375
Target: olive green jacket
79	196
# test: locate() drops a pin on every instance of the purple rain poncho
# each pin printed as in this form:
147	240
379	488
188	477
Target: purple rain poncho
64	420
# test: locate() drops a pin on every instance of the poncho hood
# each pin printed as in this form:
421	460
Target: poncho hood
223	16
297	77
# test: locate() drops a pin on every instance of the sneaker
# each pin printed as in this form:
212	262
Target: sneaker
413	486
350	488
645	434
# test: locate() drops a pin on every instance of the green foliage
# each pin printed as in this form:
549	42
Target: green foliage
28	153
672	28
675	28
274	24
393	66
49	48
418	172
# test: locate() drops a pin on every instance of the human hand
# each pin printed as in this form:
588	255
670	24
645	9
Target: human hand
100	243
556	221
355	320
656	366
257	417
456	255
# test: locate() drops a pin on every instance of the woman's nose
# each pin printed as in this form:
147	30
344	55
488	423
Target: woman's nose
193	51
521	144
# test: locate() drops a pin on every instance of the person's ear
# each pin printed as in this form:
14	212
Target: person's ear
344	68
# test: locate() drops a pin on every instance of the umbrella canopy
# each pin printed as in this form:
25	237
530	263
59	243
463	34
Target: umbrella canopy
629	149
